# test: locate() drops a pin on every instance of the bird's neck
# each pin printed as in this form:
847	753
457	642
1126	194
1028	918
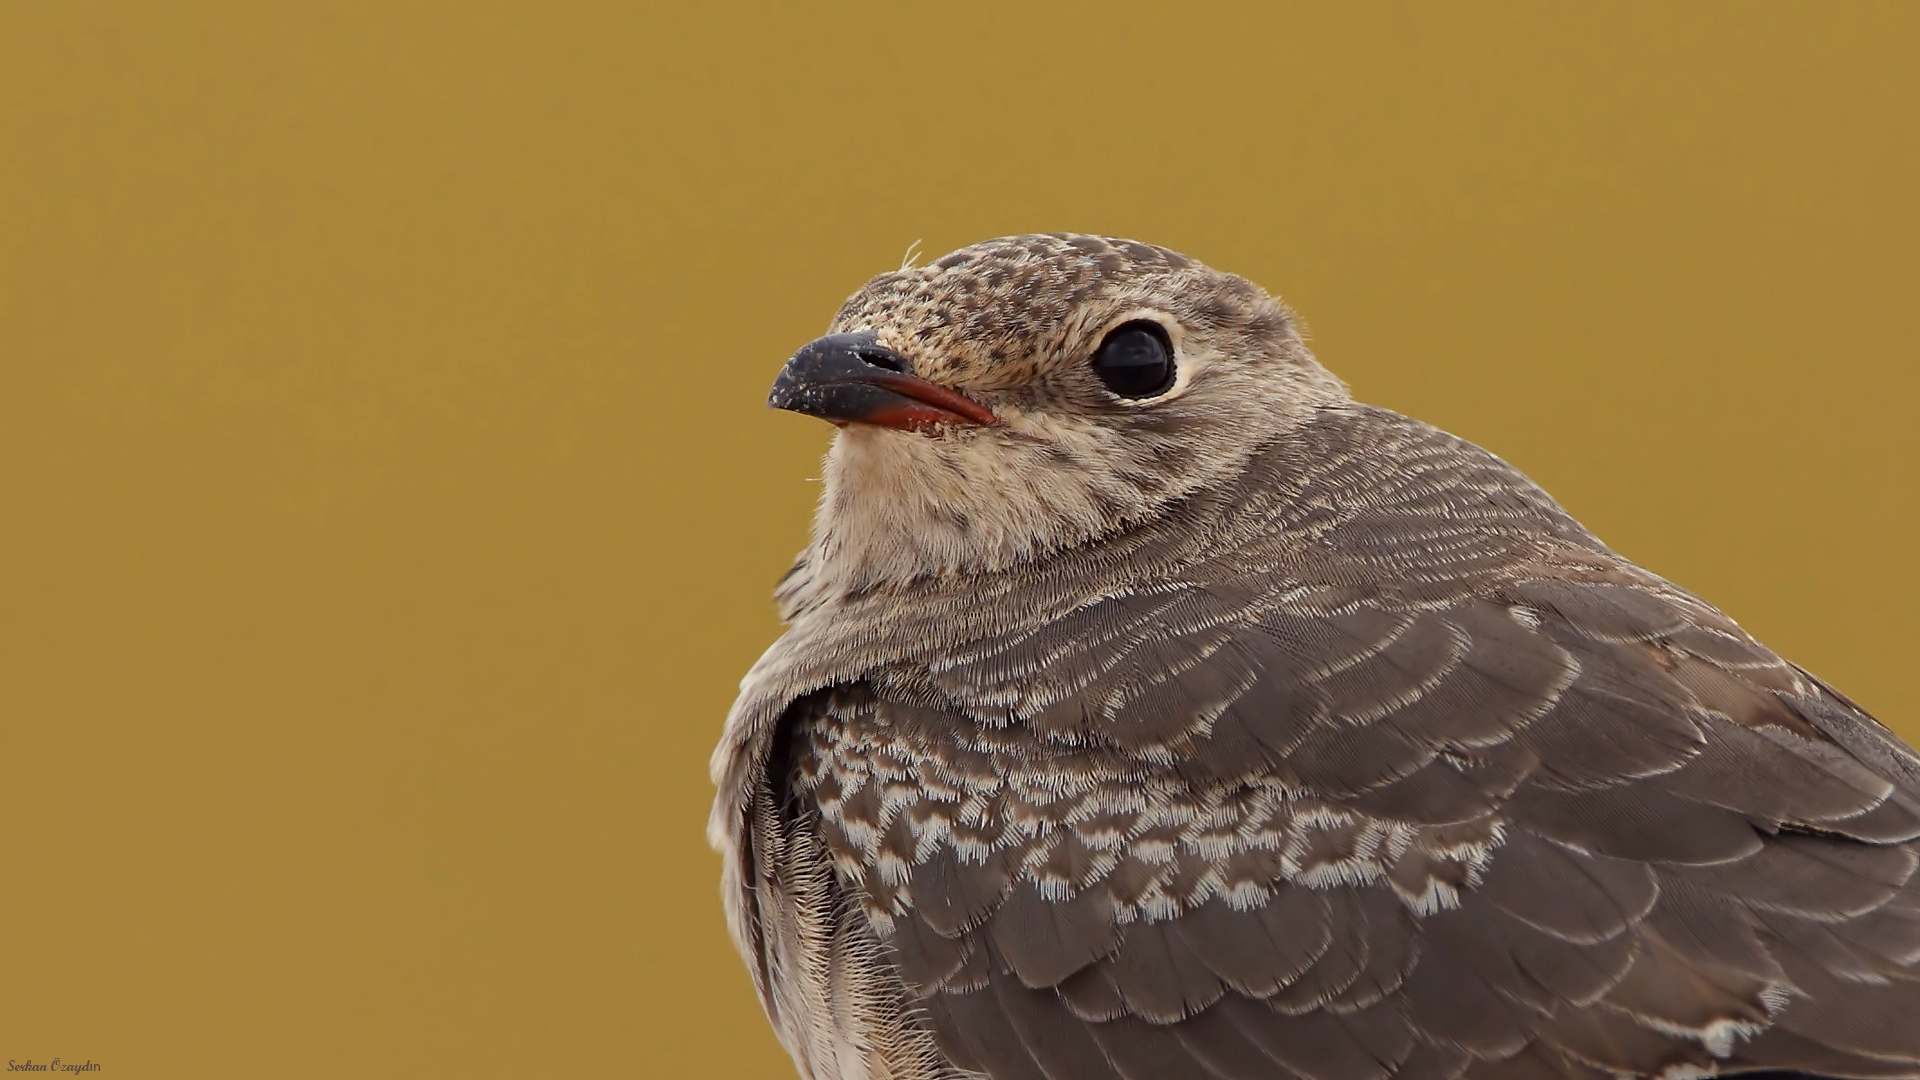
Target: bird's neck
899	509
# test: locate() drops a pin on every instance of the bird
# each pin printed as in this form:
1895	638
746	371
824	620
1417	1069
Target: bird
1149	709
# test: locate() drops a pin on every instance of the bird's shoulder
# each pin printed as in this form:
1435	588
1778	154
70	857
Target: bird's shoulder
1395	770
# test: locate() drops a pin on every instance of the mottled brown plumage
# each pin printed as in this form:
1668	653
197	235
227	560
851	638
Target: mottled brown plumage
1250	733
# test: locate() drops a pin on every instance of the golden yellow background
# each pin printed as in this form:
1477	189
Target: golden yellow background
388	506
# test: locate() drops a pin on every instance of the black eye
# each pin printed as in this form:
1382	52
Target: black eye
1135	361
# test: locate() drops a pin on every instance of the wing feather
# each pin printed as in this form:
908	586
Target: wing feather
1392	788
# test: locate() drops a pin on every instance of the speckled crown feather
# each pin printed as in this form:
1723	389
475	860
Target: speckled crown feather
989	316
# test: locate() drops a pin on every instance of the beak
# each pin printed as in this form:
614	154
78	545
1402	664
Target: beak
852	379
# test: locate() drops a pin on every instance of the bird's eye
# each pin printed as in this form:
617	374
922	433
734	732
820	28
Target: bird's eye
1135	361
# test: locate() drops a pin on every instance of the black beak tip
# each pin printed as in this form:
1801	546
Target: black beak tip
826	369
786	391
853	379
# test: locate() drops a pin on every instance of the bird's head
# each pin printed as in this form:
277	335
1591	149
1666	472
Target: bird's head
1031	393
